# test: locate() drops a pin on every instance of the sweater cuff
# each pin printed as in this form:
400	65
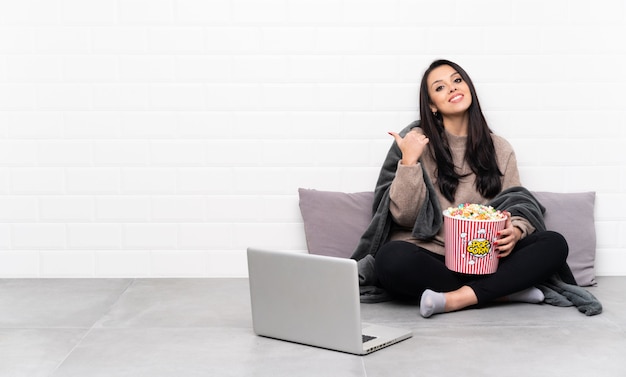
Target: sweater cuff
409	169
523	225
409	175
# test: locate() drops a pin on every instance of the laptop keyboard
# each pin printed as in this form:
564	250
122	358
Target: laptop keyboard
367	338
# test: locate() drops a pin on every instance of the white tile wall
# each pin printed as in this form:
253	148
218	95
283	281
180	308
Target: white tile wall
163	137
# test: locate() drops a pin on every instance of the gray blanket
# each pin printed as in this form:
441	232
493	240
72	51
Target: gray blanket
559	290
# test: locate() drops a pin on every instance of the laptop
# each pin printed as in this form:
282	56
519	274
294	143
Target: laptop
313	300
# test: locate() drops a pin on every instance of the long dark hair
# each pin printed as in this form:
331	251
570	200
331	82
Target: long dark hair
480	152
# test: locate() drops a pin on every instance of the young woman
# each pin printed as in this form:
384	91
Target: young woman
447	158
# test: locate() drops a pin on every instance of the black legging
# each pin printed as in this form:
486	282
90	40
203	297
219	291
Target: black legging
406	270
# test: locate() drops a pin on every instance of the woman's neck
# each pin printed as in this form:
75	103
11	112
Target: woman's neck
456	125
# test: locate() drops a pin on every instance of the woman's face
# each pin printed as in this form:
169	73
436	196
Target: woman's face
449	93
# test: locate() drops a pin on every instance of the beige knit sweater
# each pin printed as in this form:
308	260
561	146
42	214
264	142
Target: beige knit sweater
408	190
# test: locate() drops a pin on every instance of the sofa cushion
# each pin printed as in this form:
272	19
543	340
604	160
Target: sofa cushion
334	222
572	215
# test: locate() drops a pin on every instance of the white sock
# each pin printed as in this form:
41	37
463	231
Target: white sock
432	303
531	295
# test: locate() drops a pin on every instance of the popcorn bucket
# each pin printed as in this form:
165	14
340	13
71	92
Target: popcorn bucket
469	244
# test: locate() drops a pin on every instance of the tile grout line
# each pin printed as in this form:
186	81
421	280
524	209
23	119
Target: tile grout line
363	365
93	325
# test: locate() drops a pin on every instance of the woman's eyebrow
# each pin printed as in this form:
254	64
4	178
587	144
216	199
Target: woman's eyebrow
436	81
452	75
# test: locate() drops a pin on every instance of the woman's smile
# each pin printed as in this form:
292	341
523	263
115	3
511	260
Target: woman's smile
456	98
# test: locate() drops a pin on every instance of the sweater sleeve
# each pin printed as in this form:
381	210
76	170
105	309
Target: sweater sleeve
407	194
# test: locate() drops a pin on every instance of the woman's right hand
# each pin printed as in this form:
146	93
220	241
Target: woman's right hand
412	146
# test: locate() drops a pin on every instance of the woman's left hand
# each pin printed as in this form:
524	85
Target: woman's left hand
508	238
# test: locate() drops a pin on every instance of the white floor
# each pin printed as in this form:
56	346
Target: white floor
202	327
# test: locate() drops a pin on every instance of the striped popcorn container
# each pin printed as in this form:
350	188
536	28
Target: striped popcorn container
469	244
